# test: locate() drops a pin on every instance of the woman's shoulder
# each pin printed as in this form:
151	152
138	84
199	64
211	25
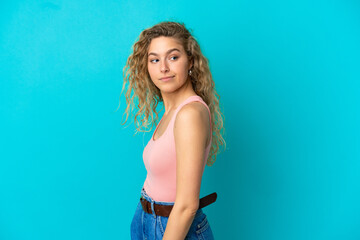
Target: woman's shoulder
193	120
195	112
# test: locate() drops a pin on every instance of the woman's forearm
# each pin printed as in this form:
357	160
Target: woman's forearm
179	223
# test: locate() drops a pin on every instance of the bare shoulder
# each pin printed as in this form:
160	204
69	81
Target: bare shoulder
192	121
195	111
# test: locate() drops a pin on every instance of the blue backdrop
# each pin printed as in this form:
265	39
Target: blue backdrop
288	75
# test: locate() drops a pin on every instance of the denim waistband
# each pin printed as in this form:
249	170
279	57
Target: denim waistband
148	198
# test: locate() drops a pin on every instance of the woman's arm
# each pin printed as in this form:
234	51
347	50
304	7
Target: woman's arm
191	130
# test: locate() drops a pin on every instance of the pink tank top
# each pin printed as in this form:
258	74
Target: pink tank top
159	157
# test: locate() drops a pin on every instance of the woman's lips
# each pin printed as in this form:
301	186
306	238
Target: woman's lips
166	79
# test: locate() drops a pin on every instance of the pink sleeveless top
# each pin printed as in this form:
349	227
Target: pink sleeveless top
159	157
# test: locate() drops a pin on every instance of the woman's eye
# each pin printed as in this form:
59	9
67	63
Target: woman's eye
155	60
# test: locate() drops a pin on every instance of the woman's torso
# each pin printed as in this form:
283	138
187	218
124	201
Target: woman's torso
159	157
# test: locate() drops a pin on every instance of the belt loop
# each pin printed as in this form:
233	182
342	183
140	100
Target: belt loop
152	208
151	202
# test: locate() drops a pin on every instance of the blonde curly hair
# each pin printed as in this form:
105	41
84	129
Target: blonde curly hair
136	76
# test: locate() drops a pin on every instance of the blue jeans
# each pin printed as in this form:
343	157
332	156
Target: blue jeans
148	226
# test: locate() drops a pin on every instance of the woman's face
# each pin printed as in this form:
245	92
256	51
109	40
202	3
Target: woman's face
167	63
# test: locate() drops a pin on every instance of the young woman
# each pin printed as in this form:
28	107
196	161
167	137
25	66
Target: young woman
167	66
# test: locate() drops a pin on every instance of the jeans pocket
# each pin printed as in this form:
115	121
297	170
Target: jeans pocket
203	230
162	221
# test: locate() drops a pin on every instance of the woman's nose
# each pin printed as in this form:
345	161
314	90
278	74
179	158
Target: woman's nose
164	67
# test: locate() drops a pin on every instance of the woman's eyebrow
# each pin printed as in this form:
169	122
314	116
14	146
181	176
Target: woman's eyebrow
169	51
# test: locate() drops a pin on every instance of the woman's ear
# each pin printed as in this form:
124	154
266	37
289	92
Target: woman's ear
191	64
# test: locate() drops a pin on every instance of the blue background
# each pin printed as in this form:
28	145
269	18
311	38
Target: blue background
288	75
